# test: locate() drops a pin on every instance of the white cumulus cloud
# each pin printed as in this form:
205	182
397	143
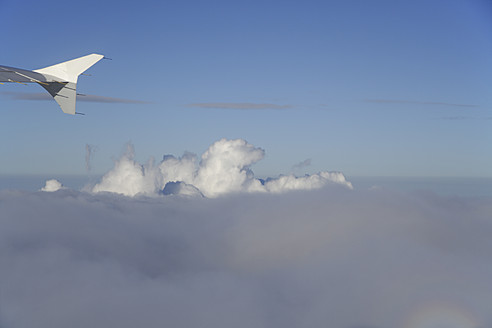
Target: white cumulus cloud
128	177
223	169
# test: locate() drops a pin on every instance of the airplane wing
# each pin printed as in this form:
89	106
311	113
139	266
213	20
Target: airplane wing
59	80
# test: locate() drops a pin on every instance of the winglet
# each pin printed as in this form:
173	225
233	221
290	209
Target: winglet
63	86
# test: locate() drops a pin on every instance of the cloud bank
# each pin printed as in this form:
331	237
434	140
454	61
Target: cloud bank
331	257
223	169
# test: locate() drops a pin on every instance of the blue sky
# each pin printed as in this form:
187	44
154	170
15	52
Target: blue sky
378	88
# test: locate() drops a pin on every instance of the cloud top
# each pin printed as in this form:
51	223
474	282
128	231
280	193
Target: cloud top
223	169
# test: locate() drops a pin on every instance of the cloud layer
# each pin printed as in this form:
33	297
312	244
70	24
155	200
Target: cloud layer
331	257
223	169
239	105
80	97
414	102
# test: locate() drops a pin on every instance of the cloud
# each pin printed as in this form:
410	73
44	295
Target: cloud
89	154
102	99
307	182
80	97
455	118
412	102
128	177
463	118
52	185
239	105
303	164
330	257
223	169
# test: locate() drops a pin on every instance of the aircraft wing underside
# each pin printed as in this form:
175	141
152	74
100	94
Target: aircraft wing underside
12	74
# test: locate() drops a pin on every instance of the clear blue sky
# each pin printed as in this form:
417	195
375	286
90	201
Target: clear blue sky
397	88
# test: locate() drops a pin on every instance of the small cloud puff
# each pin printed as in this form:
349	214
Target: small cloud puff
52	185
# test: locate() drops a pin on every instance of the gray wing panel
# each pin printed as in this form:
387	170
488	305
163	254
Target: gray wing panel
12	74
